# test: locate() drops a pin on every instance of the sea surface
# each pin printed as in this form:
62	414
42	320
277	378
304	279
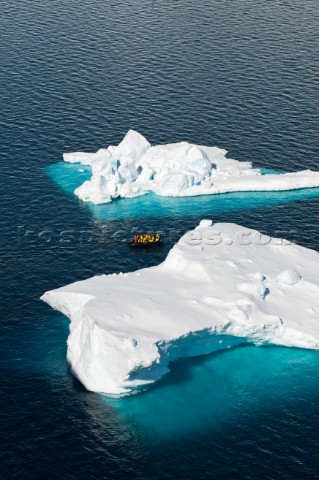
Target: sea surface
76	75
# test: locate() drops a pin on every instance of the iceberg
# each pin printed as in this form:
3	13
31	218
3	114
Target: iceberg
221	285
135	168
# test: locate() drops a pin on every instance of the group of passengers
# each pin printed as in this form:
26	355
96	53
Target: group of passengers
146	238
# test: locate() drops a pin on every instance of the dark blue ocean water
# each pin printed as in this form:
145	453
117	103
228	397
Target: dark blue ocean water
76	75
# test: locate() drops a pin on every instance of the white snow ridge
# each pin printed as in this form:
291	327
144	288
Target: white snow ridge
135	168
214	290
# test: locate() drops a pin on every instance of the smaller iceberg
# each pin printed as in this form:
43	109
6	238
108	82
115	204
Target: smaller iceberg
135	168
221	285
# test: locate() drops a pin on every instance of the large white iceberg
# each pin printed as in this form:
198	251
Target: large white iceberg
220	285
135	168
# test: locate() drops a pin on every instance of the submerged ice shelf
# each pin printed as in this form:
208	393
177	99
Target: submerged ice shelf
221	285
134	168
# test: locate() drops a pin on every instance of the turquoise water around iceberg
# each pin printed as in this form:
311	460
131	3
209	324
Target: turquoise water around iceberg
70	176
209	393
203	396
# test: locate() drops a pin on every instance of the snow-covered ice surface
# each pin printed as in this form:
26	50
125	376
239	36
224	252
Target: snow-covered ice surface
220	285
135	168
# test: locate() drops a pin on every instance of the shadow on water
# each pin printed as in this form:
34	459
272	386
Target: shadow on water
210	392
200	394
203	407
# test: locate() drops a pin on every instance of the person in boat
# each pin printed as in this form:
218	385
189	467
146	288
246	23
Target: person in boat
146	238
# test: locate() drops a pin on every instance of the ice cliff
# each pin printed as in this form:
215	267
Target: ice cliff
220	285
134	168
